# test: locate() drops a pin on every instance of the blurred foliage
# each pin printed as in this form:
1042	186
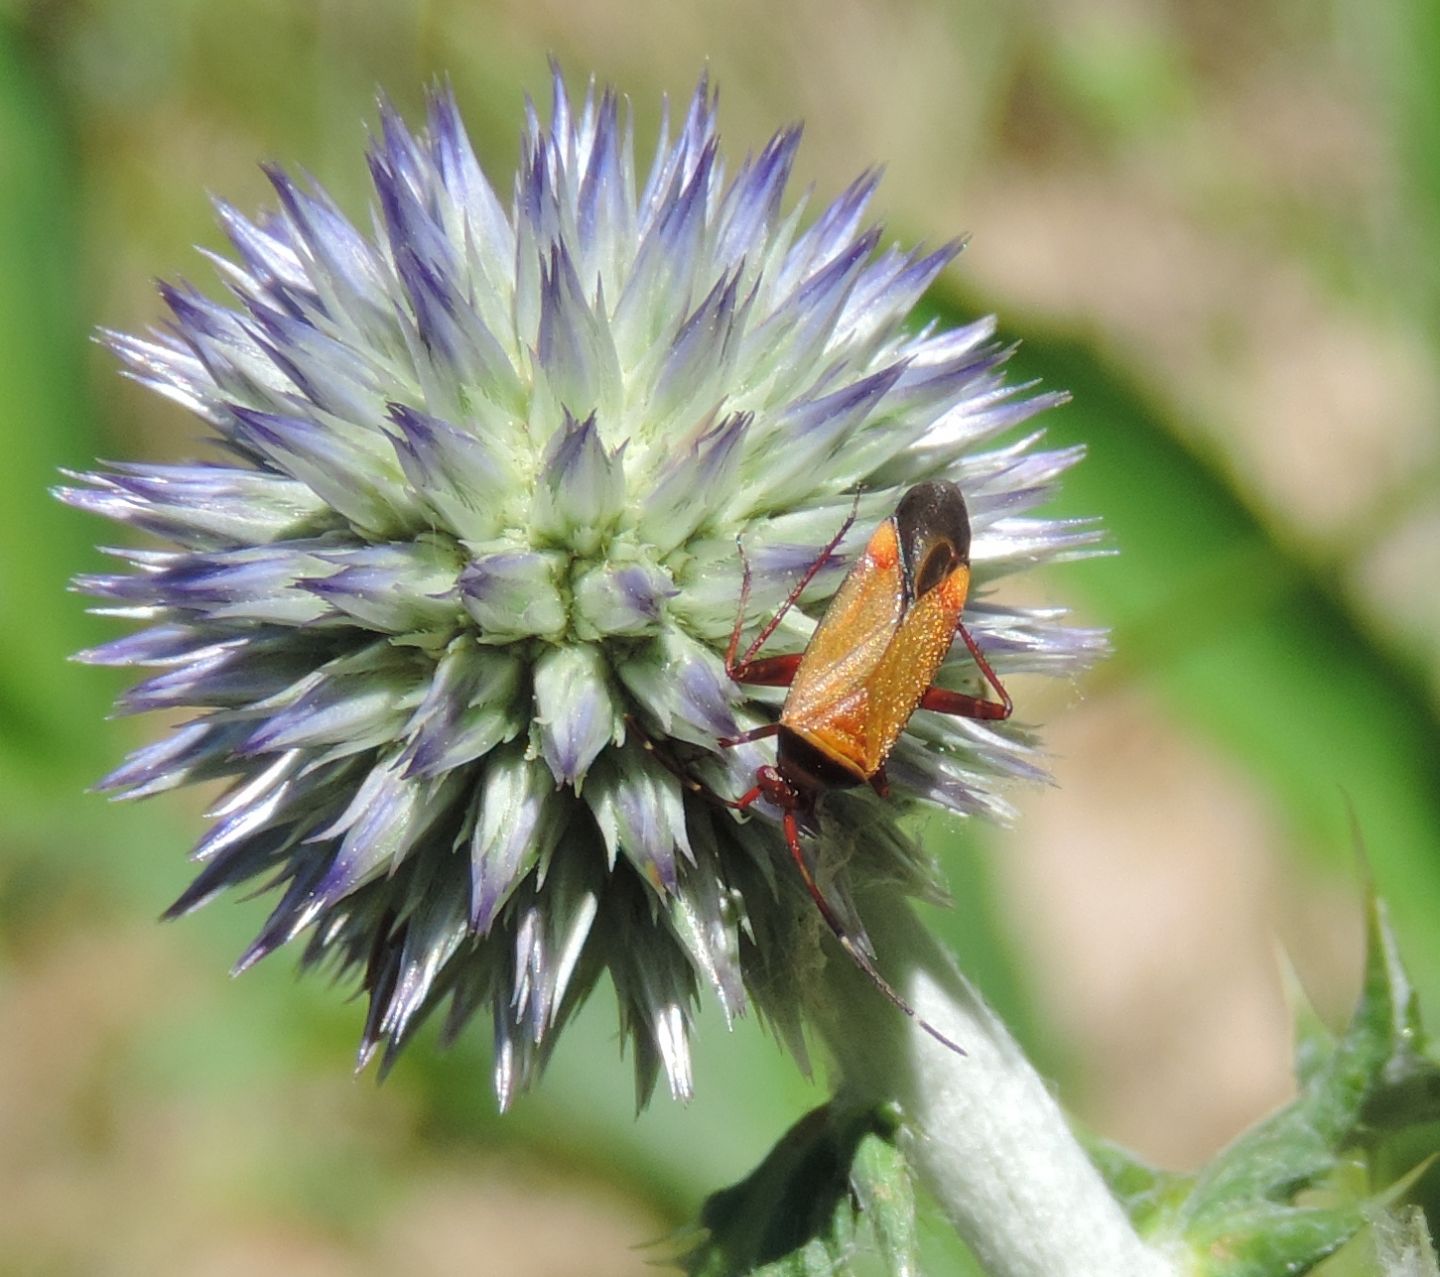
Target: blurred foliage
156	1112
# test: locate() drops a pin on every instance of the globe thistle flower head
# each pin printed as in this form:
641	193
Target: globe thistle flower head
451	605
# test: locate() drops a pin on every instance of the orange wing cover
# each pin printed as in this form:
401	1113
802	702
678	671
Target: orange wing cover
872	657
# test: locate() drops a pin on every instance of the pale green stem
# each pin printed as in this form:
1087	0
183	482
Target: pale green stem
981	1131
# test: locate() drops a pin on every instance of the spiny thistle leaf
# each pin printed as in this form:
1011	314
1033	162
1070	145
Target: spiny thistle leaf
796	1214
1296	1187
1150	1197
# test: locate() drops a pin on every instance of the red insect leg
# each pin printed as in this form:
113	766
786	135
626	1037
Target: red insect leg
853	950
693	783
769	671
755	733
943	701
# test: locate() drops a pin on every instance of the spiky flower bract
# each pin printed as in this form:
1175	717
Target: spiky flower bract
453	605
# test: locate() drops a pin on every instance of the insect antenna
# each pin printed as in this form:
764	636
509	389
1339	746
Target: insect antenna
857	955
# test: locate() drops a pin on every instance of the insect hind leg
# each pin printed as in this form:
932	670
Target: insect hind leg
856	954
962	705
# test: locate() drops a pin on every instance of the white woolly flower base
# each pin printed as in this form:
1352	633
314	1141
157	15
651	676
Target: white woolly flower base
981	1131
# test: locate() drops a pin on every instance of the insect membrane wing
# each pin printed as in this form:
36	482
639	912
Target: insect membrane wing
909	664
854	633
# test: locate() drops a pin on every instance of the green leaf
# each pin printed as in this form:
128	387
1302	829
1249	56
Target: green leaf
1150	1197
795	1215
1285	1194
880	1181
1314	1042
1271	1240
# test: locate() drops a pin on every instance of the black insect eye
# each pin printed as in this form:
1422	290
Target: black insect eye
933	528
934	568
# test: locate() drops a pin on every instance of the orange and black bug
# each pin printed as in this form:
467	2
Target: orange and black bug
869	665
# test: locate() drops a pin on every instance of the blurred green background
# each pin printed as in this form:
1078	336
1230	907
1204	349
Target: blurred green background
1216	224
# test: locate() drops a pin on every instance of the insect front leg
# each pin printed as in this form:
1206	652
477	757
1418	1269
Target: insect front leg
755	733
687	779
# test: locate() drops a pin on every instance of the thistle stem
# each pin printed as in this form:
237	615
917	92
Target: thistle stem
981	1131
